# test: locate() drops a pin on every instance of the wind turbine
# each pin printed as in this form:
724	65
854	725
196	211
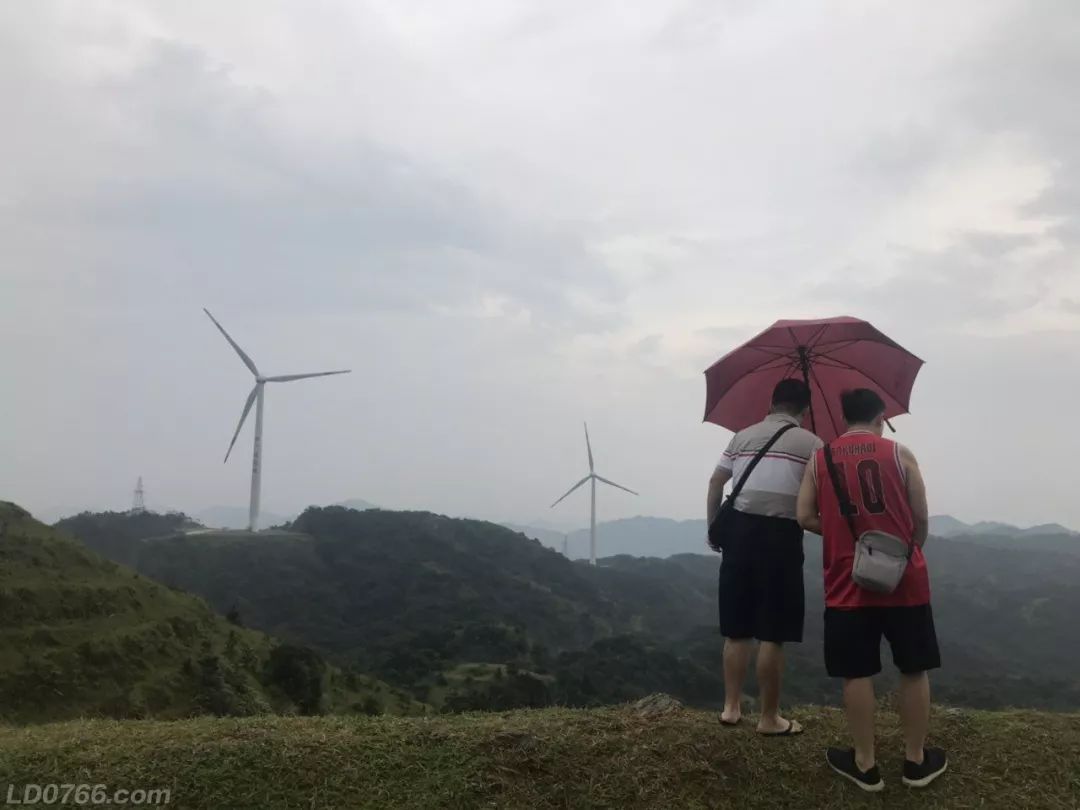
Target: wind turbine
591	478
256	397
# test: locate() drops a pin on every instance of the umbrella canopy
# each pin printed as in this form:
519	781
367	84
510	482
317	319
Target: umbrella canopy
831	355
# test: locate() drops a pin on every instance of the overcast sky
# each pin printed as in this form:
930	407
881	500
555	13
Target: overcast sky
508	217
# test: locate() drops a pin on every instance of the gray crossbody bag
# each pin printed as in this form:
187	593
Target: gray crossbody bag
880	558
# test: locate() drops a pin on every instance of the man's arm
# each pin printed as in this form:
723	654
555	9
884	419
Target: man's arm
716	493
916	493
721	475
806	508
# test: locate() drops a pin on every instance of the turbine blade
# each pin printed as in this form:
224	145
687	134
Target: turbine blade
588	447
291	377
243	416
575	486
617	486
247	360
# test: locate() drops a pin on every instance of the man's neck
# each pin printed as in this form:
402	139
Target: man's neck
778	412
861	428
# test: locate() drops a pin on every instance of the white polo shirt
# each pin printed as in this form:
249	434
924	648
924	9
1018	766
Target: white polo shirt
773	486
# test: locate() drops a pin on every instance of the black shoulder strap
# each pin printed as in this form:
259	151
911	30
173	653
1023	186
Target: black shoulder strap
847	509
754	461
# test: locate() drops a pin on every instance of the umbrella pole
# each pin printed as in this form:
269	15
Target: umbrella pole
804	362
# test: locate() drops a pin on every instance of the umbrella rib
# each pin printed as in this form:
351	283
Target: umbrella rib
812	342
781	347
781	351
883	340
868	376
793	365
764	364
831	362
767	365
772	365
835	347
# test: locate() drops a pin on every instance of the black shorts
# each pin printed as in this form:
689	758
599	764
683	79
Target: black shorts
853	640
761	579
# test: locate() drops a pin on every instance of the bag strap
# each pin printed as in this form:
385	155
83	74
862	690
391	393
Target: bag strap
758	457
847	508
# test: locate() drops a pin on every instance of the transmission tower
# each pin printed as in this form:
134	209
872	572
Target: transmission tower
138	503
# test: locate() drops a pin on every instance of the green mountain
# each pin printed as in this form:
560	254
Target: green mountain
467	614
236	517
359	504
664	537
83	636
413	597
948	526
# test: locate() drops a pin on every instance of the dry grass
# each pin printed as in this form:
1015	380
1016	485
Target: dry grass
542	759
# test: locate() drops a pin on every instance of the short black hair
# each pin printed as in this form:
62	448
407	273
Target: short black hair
861	406
792	395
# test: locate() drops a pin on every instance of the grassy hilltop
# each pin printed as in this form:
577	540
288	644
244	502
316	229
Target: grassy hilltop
550	758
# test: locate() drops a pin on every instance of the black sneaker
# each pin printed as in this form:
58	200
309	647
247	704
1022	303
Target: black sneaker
842	760
934	764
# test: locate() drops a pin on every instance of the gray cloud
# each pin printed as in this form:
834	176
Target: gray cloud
218	202
511	217
950	288
1019	83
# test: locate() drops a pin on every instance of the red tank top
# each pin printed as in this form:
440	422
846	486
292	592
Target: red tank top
869	466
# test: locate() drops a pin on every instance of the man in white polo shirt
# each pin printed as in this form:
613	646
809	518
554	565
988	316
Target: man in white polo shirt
761	579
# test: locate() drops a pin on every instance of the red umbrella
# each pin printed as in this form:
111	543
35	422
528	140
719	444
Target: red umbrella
831	355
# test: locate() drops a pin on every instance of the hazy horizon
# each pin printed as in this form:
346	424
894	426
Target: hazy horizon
270	516
508	218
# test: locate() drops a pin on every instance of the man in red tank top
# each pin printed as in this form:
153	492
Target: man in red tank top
886	490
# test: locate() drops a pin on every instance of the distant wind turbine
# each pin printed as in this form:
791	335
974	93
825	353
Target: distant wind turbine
591	478
256	396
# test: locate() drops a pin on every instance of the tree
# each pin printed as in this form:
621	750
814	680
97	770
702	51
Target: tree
234	615
298	672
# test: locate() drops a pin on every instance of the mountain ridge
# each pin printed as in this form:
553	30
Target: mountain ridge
648	536
468	614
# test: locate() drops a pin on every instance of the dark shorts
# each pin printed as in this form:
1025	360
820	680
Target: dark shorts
853	640
761	580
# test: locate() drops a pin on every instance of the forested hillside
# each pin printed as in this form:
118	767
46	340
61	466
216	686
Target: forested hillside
467	614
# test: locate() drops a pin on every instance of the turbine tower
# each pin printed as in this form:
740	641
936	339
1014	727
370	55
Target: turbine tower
256	398
138	501
591	478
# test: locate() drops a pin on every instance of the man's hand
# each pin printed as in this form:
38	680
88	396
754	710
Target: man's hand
806	507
